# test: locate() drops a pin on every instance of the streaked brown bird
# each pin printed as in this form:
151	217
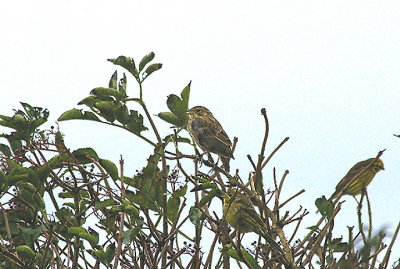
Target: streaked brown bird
362	180
209	135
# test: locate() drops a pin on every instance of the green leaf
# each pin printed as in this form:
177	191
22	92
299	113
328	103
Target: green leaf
132	211
122	115
107	110
325	207
25	251
19	173
99	255
5	150
110	253
206	199
173	137
181	192
145	60
170	118
3	181
204	186
76	114
113	81
131	234
185	96
142	200
81	155
249	258
174	104
65	195
127	63
195	215
76	230
31	235
95	234
101	91
150	69
178	107
107	203
122	85
93	240
90	101
135	123
173	207
110	167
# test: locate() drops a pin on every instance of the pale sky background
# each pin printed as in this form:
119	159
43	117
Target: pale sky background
328	74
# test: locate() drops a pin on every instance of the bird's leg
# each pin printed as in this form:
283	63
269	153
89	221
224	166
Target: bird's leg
199	158
238	239
211	161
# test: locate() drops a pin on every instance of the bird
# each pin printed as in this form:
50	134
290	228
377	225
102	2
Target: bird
362	181
209	134
239	212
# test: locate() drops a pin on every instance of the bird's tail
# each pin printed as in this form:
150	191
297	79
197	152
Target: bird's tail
225	163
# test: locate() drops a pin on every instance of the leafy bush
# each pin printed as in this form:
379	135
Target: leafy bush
78	209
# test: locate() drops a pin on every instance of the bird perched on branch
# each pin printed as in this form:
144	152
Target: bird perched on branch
209	135
362	180
240	214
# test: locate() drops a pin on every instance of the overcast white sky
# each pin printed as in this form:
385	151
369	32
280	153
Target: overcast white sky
328	74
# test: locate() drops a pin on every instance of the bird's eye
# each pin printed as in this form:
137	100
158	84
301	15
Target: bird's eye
198	110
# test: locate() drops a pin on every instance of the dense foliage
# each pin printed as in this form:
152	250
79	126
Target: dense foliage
69	208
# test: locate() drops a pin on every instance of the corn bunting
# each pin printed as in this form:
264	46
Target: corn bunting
209	135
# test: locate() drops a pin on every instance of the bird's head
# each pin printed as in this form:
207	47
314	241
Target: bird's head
229	194
378	165
198	111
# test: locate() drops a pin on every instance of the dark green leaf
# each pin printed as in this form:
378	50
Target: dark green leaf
204	186
142	200
135	123
178	108
206	199
145	60
325	207
173	207
20	173
171	118
81	155
65	195
127	63
25	251
90	101
122	114
107	203
195	215
122	85
3	181
150	69
185	96
113	81
110	167
107	110
110	253
30	235
249	258
181	192
5	150
76	114
100	91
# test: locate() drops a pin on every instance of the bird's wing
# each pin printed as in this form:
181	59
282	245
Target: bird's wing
352	172
214	129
